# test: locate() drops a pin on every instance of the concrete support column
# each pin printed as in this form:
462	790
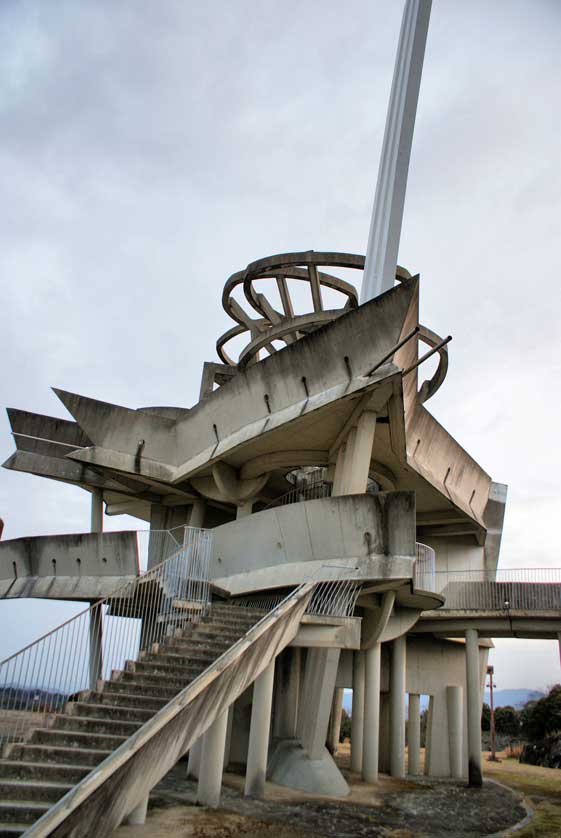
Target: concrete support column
212	762
346	481
357	718
256	769
97	511
356	477
397	708
473	695
229	735
138	815
454	707
339	471
428	737
414	734
96	616
317	691
244	509
194	762
335	720
371	737
287	692
197	513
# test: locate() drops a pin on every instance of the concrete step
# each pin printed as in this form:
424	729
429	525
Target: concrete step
179	658
165	693
134	700
152	680
83	709
105	725
21	811
172	668
249	613
37	771
87	757
203	646
75	739
8	830
40	791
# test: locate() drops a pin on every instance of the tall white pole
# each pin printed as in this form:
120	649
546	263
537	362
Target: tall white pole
387	214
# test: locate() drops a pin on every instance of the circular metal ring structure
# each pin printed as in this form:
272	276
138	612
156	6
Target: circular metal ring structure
270	325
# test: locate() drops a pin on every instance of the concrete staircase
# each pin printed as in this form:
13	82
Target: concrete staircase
37	772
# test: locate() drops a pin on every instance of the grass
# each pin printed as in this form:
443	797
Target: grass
540	786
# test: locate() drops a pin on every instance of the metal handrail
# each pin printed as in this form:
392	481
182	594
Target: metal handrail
39	679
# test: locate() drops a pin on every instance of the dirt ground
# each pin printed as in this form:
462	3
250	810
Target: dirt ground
390	809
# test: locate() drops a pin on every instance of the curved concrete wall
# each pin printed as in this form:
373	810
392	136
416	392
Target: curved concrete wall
373	535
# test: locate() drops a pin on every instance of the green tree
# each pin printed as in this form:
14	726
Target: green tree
540	718
486	717
507	720
345	731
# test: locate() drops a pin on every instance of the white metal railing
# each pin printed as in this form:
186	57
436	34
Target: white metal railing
425	566
333	596
518	589
38	680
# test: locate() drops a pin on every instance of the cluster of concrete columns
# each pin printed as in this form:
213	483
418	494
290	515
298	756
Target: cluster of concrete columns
365	722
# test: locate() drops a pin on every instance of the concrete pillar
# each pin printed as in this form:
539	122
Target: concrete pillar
473	696
357	718
414	734
138	815
317	691
428	737
197	513
334	730
244	509
558	636
454	706
287	693
96	616
371	736
397	708
194	763
339	471
256	769
96	645
97	511
229	735
346	481
212	762
356	477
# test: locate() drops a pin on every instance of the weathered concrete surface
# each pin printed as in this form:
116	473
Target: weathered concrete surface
80	566
373	535
100	802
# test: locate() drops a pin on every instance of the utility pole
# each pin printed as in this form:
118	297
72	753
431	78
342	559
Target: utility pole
493	757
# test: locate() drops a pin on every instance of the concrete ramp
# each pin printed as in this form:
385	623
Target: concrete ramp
106	795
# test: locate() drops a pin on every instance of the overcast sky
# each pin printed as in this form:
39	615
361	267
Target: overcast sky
148	150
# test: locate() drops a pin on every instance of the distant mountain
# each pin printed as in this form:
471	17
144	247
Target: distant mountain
514	698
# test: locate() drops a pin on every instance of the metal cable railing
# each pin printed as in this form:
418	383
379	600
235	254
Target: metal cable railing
302	492
38	680
518	589
332	597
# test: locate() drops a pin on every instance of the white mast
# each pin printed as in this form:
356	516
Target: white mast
387	214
